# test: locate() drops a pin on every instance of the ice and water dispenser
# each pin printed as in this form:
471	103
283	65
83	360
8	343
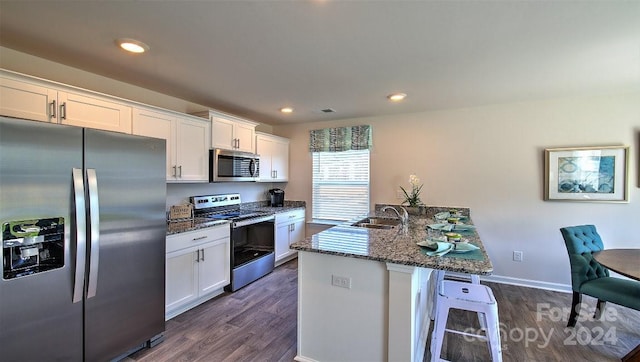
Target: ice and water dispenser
32	246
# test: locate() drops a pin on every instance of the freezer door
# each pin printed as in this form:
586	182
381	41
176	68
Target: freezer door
126	268
38	321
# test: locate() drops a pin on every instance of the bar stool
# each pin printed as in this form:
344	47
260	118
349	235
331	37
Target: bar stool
471	297
439	277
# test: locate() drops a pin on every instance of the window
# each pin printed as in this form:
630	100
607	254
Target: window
340	185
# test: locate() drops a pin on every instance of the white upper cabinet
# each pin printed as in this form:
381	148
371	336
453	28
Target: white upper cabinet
28	101
274	157
230	132
30	98
187	142
87	110
193	143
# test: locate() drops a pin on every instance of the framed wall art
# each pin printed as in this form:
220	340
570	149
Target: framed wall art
587	174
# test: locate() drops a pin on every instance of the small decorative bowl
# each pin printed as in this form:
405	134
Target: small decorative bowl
454	237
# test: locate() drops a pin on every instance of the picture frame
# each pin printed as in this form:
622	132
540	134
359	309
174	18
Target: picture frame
596	174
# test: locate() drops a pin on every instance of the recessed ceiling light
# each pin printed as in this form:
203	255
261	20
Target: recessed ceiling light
397	97
286	110
132	45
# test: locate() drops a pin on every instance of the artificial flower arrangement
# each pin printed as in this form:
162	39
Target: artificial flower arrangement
413	198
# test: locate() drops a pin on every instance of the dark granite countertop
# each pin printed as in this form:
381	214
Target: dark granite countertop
264	206
182	226
397	245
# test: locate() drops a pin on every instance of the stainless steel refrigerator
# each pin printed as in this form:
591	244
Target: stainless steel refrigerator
83	224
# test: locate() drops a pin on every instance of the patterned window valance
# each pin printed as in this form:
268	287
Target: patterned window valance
340	139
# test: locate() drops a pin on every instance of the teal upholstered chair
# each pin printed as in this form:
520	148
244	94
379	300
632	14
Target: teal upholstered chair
590	278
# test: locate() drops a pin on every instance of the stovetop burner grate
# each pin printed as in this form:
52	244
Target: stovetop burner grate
232	215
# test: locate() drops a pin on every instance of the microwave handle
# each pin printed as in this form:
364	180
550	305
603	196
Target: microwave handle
252	167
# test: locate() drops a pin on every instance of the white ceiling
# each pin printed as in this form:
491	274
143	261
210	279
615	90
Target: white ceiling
253	57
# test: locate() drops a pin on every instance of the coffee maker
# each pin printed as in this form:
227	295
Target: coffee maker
276	197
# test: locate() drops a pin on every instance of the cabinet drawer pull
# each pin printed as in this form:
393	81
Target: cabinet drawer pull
200	238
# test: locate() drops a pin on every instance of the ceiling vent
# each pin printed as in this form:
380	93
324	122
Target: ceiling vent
328	110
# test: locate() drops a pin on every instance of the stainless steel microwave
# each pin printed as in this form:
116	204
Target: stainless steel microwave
227	165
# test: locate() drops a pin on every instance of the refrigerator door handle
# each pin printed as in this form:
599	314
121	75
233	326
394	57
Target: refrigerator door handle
81	234
94	242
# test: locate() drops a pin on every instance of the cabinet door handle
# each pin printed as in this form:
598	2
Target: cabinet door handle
198	256
175	171
52	109
63	110
180	169
202	255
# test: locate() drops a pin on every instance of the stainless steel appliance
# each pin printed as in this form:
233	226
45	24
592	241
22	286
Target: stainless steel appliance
83	227
276	197
252	236
227	165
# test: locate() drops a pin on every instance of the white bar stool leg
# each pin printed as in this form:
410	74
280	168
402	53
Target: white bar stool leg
437	337
493	335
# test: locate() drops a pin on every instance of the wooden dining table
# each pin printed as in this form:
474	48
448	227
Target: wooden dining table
624	262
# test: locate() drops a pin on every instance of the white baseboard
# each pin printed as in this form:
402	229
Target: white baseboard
565	288
300	358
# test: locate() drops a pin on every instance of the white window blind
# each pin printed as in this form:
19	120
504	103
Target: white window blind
340	184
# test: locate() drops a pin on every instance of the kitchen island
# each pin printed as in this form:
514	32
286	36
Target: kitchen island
365	294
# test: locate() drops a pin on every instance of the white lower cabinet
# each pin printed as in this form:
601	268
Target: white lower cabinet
198	267
290	228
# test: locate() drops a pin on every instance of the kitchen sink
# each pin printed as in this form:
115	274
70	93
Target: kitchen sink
377	223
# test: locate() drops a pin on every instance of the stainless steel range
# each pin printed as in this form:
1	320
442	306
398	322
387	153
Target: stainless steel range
252	236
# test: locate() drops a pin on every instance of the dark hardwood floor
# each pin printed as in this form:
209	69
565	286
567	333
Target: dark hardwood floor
258	323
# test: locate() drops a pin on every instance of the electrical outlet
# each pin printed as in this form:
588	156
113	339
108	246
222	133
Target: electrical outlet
342	282
517	256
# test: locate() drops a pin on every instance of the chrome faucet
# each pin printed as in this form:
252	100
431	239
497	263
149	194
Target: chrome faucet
404	219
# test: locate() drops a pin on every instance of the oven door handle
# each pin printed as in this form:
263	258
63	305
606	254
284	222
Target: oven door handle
254	220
